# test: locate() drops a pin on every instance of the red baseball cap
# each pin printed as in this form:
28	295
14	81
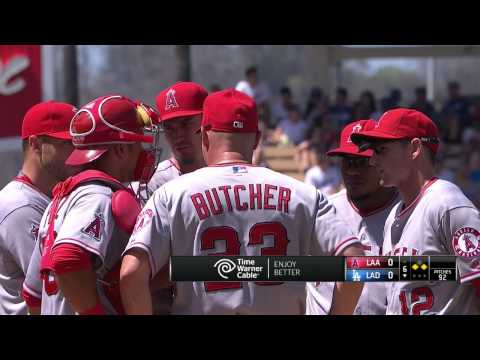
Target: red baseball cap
347	147
181	99
400	124
230	111
107	120
50	118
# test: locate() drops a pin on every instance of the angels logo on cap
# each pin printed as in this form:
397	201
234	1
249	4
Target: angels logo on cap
466	242
356	129
171	101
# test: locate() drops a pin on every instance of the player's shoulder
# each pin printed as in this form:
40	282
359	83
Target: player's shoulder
339	197
91	189
446	195
165	165
17	195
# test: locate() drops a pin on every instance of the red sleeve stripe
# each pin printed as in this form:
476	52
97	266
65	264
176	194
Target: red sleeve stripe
148	250
32	292
32	301
81	244
345	243
470	276
67	258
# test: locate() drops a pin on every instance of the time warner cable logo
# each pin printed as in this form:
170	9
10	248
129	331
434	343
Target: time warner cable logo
246	269
224	266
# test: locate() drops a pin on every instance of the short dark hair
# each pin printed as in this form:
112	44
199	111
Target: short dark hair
251	70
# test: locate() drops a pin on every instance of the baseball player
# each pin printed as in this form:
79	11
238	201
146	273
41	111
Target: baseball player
46	145
234	208
433	218
364	205
180	109
86	227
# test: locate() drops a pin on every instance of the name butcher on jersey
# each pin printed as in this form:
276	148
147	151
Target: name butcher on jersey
260	196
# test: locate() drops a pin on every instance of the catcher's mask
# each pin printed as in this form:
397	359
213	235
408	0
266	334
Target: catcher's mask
115	119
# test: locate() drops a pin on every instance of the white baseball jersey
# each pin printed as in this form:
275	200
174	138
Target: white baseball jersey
22	206
165	171
440	221
84	219
238	210
369	229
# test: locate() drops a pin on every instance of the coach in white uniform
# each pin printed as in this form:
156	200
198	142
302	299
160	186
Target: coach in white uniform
46	145
234	208
433	218
364	205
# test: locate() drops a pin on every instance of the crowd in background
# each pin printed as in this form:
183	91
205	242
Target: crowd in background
313	127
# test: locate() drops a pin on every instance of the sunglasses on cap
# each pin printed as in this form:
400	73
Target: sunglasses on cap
371	144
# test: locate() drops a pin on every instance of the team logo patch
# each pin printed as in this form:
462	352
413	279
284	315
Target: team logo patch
94	229
171	101
466	242
143	219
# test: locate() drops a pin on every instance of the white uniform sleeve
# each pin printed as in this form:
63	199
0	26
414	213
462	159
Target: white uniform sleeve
89	224
152	232
18	232
33	281
331	235
461	236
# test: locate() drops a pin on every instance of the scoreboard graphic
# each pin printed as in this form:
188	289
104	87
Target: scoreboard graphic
400	268
313	268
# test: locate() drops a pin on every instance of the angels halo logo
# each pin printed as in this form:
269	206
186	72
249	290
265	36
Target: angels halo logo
466	242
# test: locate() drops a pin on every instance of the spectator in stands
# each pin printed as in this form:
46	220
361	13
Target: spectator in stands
259	91
365	107
457	105
316	98
341	112
471	135
392	101
294	127
422	104
294	130
280	107
324	175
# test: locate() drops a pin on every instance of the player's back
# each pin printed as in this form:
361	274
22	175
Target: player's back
240	209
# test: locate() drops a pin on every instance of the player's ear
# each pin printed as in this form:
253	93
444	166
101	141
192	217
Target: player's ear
205	141
416	148
120	150
35	144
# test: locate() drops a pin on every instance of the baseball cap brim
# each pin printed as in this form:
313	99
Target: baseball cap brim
342	152
81	157
372	136
64	135
181	113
